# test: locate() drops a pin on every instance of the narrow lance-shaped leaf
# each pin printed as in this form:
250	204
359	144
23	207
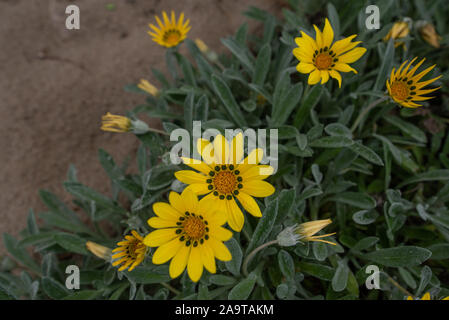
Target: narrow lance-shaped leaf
227	98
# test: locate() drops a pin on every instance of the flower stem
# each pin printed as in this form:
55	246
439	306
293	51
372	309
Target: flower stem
158	131
253	253
169	287
397	285
366	111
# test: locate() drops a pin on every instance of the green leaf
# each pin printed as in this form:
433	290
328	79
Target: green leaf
365	243
286	203
405	256
240	53
221	280
149	274
334	21
71	243
53	289
19	253
407	277
331	142
340	279
264	226
59	221
355	199
434	175
234	265
228	100
262	65
366	153
407	128
426	275
310	101
317	270
83	295
243	289
365	217
402	157
286	264
187	69
337	129
387	63
32	226
188	111
85	193
320	250
440	251
286	105
56	205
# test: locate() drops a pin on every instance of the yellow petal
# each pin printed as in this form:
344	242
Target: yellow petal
257	172
159	237
318	37
220	233
426	296
334	74
314	77
254	157
343	67
215	213
165	211
344	45
221	252
207	255
236	149
258	188
206	150
189	177
179	262
199	188
197	165
167	251
221	150
157	223
176	202
234	214
328	34
352	55
249	204
324	76
195	264
303	67
190	200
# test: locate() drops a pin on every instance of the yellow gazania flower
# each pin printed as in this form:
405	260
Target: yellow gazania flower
115	123
404	86
321	57
148	87
190	233
426	296
225	177
99	250
429	34
307	231
399	30
170	33
130	252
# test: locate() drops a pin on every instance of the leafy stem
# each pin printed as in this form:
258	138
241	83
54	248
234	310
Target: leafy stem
366	111
253	253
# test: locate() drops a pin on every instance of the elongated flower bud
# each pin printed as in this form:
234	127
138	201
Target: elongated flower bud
99	250
429	34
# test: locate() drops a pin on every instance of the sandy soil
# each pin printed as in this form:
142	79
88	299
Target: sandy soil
55	84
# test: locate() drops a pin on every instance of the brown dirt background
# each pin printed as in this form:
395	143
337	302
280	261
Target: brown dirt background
55	84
